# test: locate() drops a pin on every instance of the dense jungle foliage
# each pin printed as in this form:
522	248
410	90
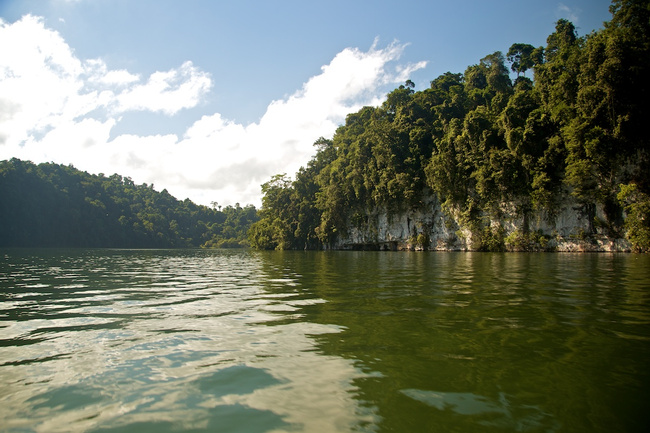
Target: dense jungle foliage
567	118
50	205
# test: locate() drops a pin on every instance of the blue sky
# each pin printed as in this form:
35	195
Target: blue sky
210	98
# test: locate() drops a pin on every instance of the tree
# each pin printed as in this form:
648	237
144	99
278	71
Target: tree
496	72
637	206
524	56
557	78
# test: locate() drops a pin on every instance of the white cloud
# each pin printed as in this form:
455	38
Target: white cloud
99	74
56	107
69	140
167	92
571	14
39	79
43	85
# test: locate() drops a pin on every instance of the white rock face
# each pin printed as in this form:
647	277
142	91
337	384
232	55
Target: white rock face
430	228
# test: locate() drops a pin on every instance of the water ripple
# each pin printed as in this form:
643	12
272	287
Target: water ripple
123	340
115	340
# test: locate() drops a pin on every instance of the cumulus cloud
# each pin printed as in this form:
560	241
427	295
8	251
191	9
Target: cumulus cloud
167	92
56	107
43	85
39	80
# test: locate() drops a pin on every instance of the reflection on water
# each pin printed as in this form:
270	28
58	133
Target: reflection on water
120	340
463	403
112	340
499	414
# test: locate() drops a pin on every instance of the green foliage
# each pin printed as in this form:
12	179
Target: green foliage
423	240
231	229
479	141
420	241
276	226
637	206
54	205
530	241
290	217
492	239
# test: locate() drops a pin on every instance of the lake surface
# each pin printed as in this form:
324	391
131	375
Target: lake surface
248	341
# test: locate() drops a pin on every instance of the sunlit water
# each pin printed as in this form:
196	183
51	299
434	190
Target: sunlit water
245	341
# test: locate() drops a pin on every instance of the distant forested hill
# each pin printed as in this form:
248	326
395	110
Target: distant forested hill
573	125
51	205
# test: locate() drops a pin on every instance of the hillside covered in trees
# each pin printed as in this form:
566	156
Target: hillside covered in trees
51	205
570	127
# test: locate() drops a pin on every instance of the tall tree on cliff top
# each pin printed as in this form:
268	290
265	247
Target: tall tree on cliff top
523	57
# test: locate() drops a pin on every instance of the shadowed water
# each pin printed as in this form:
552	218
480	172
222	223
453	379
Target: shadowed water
245	341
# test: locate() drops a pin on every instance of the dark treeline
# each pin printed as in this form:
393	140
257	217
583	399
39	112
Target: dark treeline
50	205
573	122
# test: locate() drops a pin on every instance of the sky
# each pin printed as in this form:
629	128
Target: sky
209	99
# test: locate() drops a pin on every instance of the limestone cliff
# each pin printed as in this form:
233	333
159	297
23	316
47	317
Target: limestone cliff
573	227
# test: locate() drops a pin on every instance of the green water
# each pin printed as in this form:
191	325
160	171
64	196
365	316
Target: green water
246	341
